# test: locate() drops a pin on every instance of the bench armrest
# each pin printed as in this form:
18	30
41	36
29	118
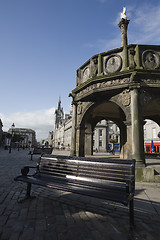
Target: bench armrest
25	170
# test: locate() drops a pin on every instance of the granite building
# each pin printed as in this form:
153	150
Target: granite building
28	136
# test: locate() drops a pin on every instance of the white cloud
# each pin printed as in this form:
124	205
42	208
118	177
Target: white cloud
106	45
143	28
41	121
144	25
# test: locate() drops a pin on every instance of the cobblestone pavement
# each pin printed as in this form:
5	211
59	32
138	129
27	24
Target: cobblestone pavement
58	215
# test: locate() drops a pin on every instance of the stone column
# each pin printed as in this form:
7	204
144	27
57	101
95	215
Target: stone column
100	70
73	137
80	138
137	129
126	141
88	140
123	26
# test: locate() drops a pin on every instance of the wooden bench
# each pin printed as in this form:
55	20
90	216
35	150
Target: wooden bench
106	178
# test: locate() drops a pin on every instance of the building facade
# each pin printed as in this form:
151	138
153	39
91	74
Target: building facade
152	134
62	128
105	134
28	136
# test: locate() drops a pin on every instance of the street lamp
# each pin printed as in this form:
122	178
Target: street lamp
12	127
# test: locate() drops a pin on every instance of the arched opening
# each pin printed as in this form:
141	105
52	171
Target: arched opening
151	137
106	137
152	126
108	111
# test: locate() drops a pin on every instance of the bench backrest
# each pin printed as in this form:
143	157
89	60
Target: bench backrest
87	169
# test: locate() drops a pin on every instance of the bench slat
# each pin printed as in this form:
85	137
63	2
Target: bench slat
110	193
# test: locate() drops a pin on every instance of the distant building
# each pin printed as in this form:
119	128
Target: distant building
151	130
50	139
28	136
62	128
105	133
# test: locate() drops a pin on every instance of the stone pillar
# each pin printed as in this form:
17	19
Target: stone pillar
126	141
73	137
137	129
100	70
123	26
80	138
88	140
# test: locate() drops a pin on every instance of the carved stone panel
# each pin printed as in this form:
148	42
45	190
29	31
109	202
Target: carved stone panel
150	59
94	67
102	85
79	108
86	73
126	98
112	64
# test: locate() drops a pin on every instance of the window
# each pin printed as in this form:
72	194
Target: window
154	135
145	133
100	132
100	143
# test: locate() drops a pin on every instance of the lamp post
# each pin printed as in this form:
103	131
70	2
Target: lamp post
12	127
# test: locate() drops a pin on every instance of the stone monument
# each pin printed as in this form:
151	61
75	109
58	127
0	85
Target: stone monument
121	85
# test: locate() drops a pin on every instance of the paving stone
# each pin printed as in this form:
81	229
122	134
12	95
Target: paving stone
58	215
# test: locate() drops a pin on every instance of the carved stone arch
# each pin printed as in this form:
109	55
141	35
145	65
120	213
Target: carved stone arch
91	114
85	107
123	100
89	107
145	98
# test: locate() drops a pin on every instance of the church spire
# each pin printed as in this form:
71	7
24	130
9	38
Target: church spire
59	103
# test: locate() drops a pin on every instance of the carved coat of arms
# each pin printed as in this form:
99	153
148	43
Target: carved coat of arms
126	98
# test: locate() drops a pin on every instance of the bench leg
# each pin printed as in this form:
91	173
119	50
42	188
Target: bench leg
28	194
131	212
31	157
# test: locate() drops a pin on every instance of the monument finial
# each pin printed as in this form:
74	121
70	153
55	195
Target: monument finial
123	26
123	14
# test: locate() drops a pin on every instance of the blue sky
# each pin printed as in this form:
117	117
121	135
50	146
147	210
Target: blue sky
43	42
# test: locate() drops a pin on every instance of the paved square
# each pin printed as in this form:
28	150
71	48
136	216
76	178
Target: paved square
58	215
